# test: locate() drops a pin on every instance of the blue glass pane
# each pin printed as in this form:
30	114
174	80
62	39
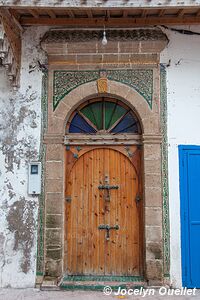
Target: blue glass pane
79	125
127	124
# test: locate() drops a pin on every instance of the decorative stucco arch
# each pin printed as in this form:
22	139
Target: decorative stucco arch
148	117
55	175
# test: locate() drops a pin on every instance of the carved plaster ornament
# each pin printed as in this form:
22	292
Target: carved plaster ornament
102	82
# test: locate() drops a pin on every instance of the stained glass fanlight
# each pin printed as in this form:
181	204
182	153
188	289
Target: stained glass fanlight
103	116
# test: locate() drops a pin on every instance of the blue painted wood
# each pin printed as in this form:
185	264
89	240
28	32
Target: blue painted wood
189	164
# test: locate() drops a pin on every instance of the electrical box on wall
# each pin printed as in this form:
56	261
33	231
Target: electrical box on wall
34	178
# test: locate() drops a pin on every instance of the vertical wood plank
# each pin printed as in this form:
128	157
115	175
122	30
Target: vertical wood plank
107	211
68	224
95	213
101	243
114	195
86	212
119	214
72	232
79	214
124	219
90	206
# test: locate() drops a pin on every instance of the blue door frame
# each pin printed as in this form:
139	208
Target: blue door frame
189	167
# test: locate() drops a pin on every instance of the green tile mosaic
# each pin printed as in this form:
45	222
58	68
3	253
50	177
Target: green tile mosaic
40	241
139	79
165	190
103	278
90	287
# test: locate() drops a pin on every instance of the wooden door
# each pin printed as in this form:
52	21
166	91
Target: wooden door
103	188
189	157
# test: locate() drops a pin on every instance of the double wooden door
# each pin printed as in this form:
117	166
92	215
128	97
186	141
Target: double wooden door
103	216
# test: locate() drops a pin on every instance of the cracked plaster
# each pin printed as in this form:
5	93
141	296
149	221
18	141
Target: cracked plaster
20	130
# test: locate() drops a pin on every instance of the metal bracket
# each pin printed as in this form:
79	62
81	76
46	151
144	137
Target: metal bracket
108	228
137	199
108	187
68	199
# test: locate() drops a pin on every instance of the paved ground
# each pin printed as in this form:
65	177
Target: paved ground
34	294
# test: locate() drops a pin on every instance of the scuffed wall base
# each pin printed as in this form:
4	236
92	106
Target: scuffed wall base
20	130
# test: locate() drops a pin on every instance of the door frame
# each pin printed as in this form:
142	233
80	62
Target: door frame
184	206
155	256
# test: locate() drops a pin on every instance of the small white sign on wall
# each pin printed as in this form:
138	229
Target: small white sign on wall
34	178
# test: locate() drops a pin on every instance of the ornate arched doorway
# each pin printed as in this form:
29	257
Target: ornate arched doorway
103	228
137	83
68	148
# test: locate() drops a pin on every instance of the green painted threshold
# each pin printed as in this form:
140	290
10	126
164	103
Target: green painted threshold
103	278
95	287
39	273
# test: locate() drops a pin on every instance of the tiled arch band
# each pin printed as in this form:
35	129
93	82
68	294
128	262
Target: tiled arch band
139	79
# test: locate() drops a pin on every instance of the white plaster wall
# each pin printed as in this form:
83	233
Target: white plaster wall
183	94
20	129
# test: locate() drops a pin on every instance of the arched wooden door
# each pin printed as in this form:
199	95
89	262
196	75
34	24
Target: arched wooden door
103	215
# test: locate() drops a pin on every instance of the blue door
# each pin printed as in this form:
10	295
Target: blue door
189	161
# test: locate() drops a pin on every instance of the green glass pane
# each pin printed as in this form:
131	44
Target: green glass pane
118	113
109	111
88	113
97	111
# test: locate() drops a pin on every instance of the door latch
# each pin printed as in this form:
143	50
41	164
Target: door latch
107	187
108	228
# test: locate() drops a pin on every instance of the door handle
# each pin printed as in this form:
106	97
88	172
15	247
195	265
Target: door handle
108	228
107	187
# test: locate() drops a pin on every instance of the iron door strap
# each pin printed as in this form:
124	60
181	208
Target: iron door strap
108	228
108	187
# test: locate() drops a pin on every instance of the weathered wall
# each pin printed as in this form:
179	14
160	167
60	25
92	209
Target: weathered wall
20	129
20	123
183	85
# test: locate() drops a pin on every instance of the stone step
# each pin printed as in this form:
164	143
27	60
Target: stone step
115	278
92	283
50	284
100	285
